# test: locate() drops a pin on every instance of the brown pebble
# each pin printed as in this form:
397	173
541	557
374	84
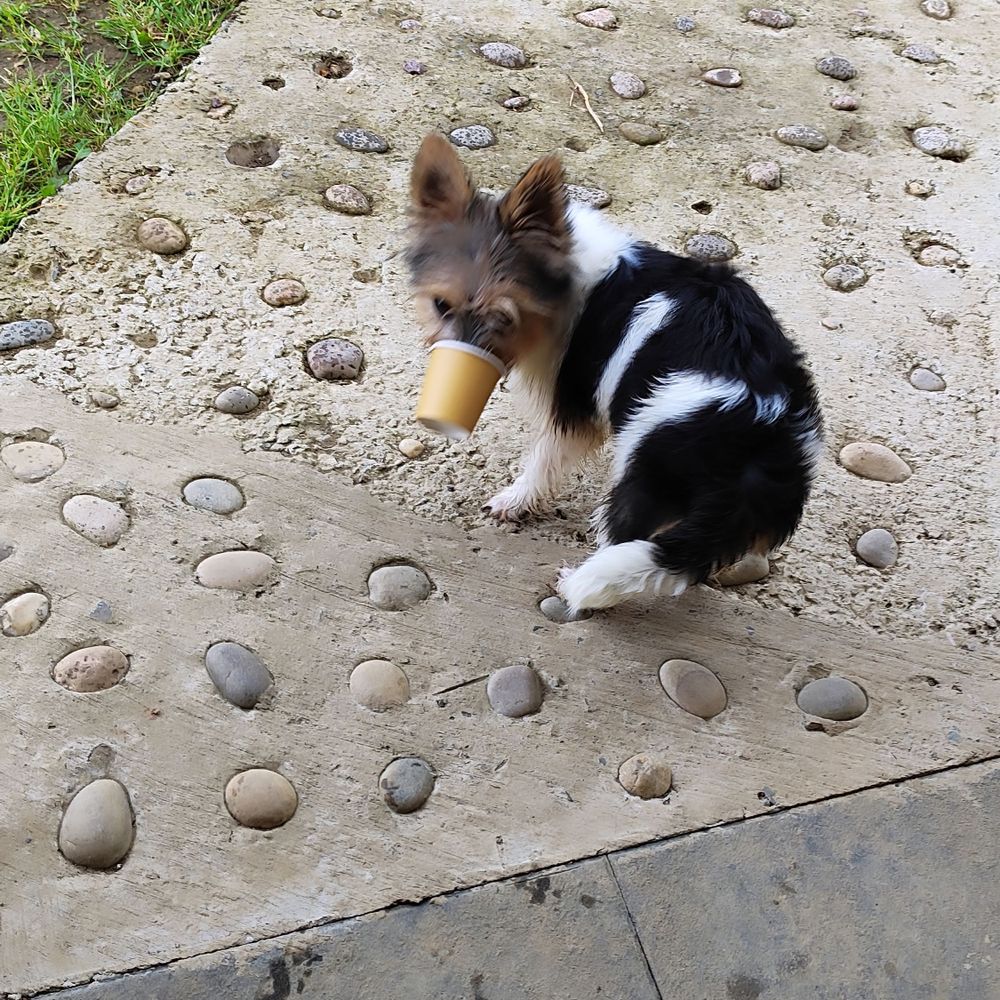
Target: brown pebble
284	292
645	776
874	461
93	668
261	799
162	236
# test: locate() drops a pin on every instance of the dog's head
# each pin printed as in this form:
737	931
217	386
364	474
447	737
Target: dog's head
492	272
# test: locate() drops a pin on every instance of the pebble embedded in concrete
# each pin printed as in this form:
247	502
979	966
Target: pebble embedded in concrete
921	54
236	400
238	569
693	687
261	799
556	610
31	461
593	196
379	685
162	236
710	247
599	17
361	140
723	77
833	698
472	136
874	461
105	400
845	277
136	185
751	568
284	292
939	255
101	612
239	674
97	828
414	67
503	54
936	140
515	691
763	174
684	23
93	668
844	102
99	521
409	24
335	360
837	67
216	495
347	199
24	614
645	776
406	784
926	380
771	18
940	10
25	333
627	85
519	102
802	136
6	550
411	447
640	133
878	548
398	587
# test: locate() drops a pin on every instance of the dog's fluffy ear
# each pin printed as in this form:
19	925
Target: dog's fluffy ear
536	204
440	188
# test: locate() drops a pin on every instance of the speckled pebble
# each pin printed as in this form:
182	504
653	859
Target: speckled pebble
627	85
411	447
406	784
684	23
379	685
261	798
24	614
238	673
361	140
802	136
238	569
398	587
518	102
31	461
101	612
515	691
751	568
844	102
921	54
25	333
926	380
764	174
845	277
939	255
920	189
936	140
472	137
409	24
220	111
600	17
503	54
640	133
347	199
136	185
645	776
414	67
710	247
592	196
771	18
105	400
97	828
834	698
556	610
335	360
837	67
878	548
874	461
940	10
284	292
237	400
216	495
93	668
99	521
723	77
162	236
693	688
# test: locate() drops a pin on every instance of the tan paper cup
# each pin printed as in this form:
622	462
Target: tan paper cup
457	384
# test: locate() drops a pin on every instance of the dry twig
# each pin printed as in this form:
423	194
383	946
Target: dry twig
577	89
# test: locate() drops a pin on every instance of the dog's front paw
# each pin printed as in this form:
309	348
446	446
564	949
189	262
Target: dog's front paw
511	504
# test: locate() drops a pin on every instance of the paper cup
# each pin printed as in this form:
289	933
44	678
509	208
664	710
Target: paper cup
458	381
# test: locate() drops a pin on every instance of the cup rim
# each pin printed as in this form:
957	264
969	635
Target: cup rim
479	352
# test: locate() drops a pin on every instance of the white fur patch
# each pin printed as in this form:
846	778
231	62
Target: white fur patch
614	574
598	245
648	316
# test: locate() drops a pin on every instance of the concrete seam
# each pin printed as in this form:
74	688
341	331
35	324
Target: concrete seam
631	923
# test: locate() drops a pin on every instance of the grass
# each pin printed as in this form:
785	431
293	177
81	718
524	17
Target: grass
66	98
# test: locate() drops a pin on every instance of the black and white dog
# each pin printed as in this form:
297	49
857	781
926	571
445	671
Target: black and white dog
715	422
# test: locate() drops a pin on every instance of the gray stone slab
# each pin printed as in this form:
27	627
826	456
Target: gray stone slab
558	935
885	894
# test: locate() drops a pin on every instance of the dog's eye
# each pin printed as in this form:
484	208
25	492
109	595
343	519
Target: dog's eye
443	308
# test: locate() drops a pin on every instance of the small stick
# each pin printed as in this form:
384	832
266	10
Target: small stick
577	89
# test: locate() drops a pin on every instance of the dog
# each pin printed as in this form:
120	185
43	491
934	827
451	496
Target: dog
715	421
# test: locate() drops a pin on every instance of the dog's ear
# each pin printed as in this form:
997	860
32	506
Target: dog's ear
440	187
536	204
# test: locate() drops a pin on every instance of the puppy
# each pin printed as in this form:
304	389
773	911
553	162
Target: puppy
715	422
